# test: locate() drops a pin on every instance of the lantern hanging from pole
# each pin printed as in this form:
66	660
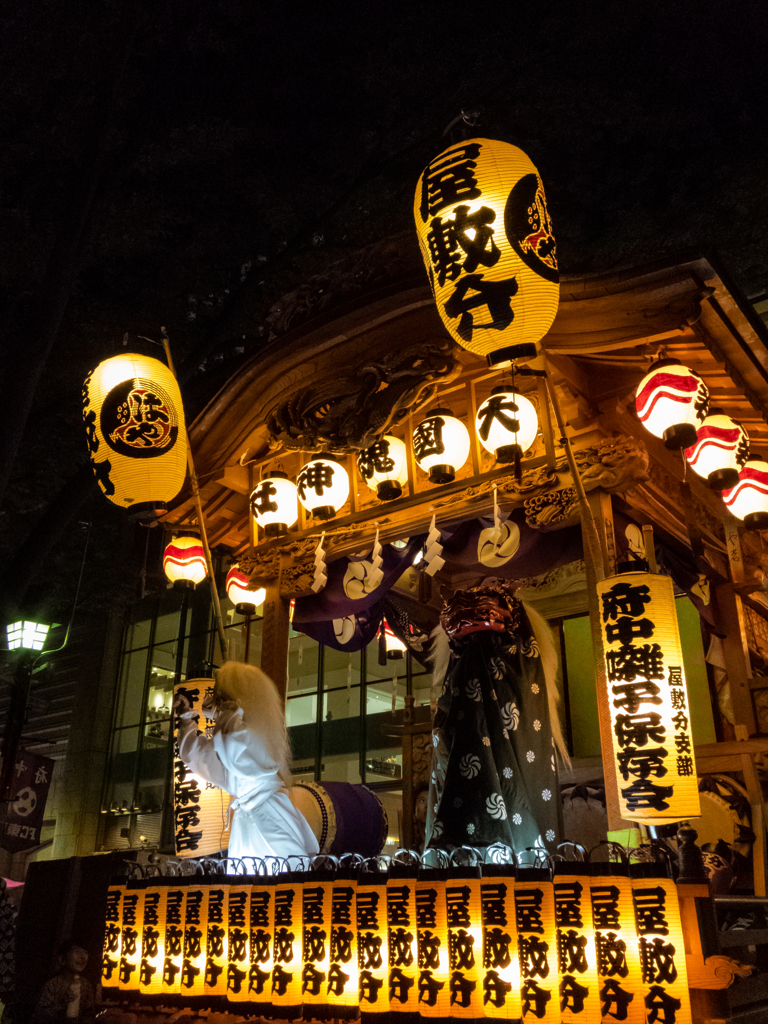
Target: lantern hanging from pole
184	562
648	699
323	486
487	243
748	500
721	450
245	601
507	424
384	467
274	505
394	646
441	445
672	402
134	420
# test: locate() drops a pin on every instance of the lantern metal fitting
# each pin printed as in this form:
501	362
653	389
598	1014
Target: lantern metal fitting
273	504
748	500
672	402
384	467
721	450
441	445
323	486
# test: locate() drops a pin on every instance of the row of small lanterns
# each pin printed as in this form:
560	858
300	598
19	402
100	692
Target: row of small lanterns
673	404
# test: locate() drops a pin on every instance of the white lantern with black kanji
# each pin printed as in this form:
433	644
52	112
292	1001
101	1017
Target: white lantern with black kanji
648	699
487	243
720	451
245	601
441	445
506	424
274	505
384	467
184	562
323	486
672	402
748	500
134	420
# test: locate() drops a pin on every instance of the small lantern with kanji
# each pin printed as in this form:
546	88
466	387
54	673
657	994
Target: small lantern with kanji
720	451
184	562
441	445
134	420
323	486
487	243
384	467
245	601
273	504
748	500
672	402
506	424
394	646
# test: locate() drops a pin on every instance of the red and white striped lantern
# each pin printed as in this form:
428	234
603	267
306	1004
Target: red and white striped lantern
672	402
245	601
721	450
184	562
748	500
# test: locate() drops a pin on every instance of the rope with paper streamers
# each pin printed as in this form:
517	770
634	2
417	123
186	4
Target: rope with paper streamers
320	578
434	550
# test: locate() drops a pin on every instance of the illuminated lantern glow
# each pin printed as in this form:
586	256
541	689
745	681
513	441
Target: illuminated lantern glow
286	982
245	601
648	699
323	486
506	424
184	562
373	945
537	946
721	450
501	963
238	942
137	440
487	243
193	965
262	947
316	949
384	467
441	445
432	944
618	958
29	635
748	500
403	952
396	649
579	995
173	960
130	951
274	504
661	946
217	941
672	402
152	942
343	974
112	949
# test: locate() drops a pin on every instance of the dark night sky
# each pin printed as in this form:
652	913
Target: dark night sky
226	152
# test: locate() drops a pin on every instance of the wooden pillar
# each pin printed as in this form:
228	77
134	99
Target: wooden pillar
274	637
739	671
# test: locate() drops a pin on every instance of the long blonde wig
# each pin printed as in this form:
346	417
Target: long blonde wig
262	707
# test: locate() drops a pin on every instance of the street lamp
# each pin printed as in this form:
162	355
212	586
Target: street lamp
24	636
27	634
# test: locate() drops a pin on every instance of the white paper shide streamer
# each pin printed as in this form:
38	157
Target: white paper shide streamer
321	577
434	549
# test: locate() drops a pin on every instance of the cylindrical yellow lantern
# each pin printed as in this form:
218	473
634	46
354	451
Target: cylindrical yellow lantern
245	601
506	424
274	504
184	562
134	420
618	957
323	486
537	946
648	700
441	445
501	965
384	467
487	243
579	996
661	946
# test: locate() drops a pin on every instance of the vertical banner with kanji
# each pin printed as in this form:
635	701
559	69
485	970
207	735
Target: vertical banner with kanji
21	822
199	807
648	700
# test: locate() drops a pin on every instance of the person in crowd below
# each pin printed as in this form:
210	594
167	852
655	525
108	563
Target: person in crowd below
249	756
67	996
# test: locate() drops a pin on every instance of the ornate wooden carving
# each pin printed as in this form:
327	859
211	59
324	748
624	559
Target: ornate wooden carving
715	972
347	411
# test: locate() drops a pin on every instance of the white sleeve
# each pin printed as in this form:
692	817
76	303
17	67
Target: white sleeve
197	752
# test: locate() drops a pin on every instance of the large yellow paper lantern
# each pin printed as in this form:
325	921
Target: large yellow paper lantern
618	957
261	919
579	996
193	963
661	946
487	243
648	700
134	421
173	941
432	945
238	942
113	934
501	964
132	931
152	942
343	974
372	945
316	948
403	953
537	947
